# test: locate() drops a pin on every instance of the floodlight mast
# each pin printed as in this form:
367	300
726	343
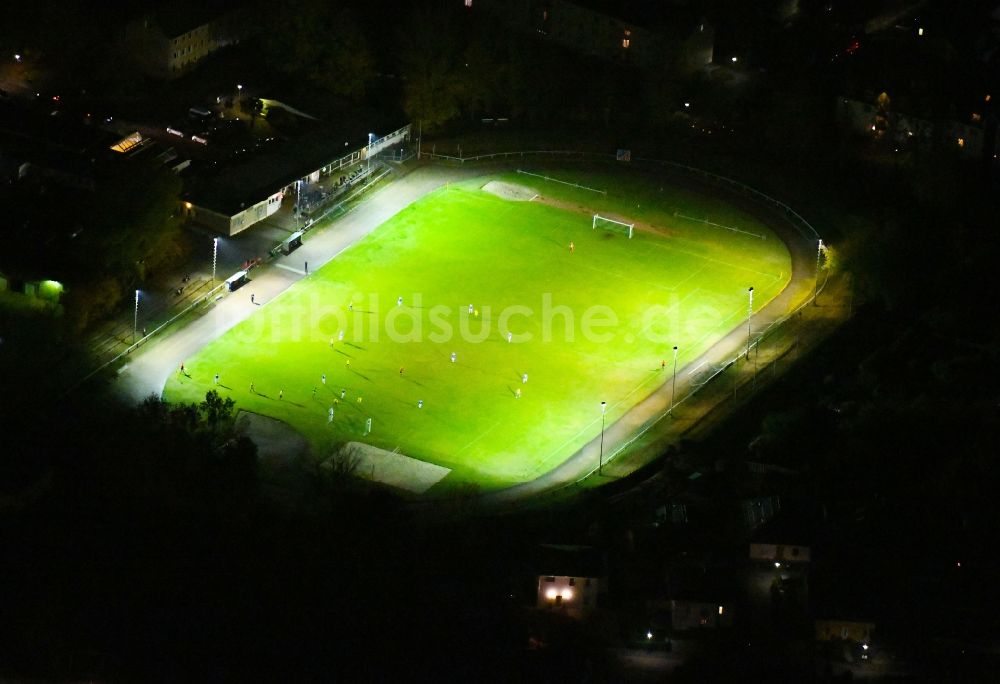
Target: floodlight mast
673	385
749	316
819	252
135	319
600	456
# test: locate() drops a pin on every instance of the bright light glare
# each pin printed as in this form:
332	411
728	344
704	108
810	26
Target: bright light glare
551	594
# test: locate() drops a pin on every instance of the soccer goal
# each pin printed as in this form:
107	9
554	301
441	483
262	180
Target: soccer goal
612	225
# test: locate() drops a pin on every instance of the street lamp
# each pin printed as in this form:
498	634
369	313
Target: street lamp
819	252
749	314
371	136
673	386
135	319
600	457
239	93
215	256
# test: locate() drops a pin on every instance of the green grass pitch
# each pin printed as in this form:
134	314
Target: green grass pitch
684	283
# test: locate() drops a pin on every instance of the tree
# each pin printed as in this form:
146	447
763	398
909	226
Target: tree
428	60
216	411
321	43
133	224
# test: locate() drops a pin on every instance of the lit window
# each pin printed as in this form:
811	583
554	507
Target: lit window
720	610
627	40
961	142
468	3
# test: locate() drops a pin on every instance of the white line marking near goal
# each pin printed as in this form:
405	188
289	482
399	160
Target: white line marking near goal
719	225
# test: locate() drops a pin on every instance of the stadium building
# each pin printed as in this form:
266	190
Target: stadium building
303	172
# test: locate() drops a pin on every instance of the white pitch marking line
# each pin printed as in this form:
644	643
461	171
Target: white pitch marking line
289	268
696	368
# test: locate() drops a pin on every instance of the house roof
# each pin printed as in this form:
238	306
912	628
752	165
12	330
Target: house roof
25	131
178	17
236	188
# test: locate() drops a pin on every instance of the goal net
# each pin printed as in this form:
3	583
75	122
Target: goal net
613	225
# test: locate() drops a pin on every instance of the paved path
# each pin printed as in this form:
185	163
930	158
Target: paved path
149	368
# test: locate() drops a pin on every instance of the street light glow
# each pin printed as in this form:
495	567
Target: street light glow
135	319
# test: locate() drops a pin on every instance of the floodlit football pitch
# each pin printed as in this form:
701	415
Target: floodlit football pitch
563	316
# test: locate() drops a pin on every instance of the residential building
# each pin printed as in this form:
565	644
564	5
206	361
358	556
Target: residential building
687	615
572	579
234	200
859	632
973	137
55	148
175	39
610	30
779	553
40	294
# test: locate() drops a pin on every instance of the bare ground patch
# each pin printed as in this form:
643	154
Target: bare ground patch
513	192
282	456
576	208
392	468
